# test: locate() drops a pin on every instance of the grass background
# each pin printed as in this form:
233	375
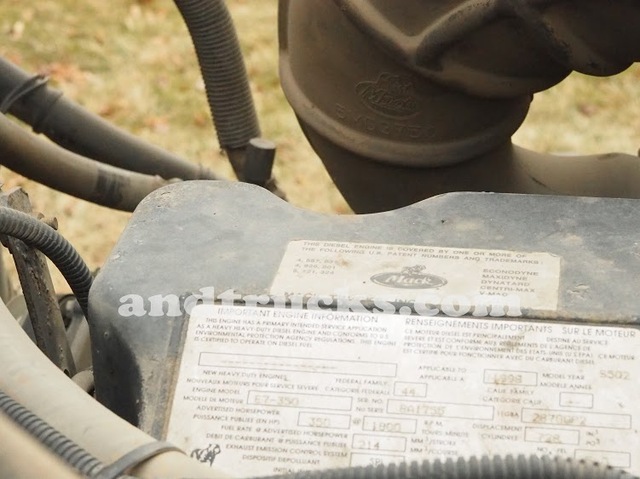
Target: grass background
133	63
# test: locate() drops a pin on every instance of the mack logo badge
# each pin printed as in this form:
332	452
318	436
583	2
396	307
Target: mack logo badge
389	94
409	278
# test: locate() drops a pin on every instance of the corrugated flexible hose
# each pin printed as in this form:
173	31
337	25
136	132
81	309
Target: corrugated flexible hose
508	467
223	70
54	246
57	443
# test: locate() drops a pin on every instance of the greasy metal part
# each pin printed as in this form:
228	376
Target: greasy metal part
398	97
46	318
259	161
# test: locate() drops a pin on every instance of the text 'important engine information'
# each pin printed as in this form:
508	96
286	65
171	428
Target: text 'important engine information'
265	391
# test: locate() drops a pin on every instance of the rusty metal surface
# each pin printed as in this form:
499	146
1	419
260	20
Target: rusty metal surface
44	311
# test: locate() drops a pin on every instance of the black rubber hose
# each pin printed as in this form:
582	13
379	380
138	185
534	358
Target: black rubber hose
85	133
54	246
497	467
63	170
223	70
56	442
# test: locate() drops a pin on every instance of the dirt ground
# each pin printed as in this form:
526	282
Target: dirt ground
132	62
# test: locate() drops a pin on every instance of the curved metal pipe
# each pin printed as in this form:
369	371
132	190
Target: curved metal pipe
370	186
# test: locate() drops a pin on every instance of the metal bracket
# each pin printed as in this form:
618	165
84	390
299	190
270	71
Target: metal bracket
37	286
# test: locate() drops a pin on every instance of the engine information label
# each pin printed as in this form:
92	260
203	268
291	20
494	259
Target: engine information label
267	391
404	272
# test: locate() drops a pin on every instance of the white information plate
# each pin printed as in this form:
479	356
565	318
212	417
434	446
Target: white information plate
265	391
405	272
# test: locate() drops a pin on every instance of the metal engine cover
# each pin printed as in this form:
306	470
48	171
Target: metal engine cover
560	260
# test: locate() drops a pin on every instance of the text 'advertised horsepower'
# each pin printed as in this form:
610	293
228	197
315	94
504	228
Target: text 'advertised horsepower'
265	391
